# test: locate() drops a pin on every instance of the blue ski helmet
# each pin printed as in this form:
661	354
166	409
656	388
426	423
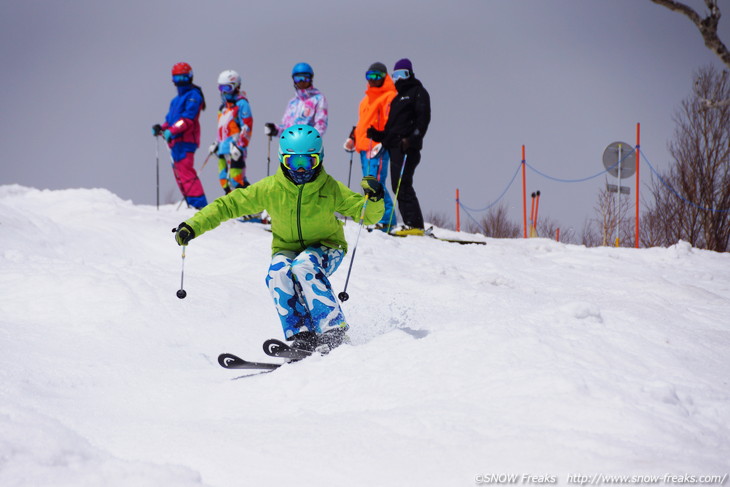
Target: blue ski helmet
301	140
302	68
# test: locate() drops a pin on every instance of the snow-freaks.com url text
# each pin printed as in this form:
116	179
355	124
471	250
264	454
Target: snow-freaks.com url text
600	479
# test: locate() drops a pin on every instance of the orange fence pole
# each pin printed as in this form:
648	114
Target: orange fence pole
532	214
524	194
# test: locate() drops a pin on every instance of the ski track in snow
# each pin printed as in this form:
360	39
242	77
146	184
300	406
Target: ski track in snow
521	356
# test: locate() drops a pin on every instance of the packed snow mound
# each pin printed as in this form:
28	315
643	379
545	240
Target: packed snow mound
521	356
38	450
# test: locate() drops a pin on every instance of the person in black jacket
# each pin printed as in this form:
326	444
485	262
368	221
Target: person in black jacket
402	136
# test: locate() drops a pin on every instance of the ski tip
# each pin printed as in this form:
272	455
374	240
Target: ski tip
274	346
230	361
227	359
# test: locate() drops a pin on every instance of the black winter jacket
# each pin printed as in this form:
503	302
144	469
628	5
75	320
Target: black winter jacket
410	114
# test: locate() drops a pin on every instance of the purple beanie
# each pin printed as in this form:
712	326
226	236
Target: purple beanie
404	63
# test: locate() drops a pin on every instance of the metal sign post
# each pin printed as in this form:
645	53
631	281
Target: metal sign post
618	161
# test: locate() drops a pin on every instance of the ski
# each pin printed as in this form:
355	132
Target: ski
279	349
273	348
462	242
429	233
230	361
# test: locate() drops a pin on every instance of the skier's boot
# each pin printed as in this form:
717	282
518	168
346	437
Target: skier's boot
405	231
330	340
305	340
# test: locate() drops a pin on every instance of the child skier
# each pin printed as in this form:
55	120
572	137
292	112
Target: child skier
309	105
181	130
235	123
308	239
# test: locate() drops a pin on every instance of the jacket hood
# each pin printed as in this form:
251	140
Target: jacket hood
375	91
306	92
405	84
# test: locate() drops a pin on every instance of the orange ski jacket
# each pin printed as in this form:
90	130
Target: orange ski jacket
374	109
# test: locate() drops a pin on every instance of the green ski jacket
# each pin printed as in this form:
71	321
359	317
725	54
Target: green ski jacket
301	215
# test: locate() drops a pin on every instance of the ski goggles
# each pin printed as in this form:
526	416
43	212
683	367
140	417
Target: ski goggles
225	88
300	161
181	78
298	78
374	75
400	74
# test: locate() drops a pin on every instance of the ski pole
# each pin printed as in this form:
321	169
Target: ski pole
349	175
157	140
181	293
397	190
268	158
343	295
206	161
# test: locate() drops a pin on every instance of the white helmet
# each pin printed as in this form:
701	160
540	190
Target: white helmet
230	78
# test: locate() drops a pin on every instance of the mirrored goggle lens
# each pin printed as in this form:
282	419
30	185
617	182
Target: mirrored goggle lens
298	78
180	78
374	75
300	161
225	88
400	74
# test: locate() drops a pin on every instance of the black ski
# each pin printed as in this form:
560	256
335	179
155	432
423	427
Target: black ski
277	348
230	361
273	348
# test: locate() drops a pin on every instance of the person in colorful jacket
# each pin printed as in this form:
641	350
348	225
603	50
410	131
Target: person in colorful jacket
181	130
374	108
235	125
309	105
408	120
308	239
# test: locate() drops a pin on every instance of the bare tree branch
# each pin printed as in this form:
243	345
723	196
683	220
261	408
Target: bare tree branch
691	201
708	31
715	104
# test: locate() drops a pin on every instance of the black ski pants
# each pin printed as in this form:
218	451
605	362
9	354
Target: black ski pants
410	209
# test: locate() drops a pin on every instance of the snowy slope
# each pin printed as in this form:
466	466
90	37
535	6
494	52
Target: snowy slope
521	356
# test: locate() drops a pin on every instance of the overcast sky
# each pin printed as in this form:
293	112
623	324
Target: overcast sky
84	80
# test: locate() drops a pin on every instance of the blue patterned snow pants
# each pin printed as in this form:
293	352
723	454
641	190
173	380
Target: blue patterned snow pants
302	293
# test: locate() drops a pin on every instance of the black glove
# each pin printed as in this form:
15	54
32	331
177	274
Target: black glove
375	135
405	144
183	234
156	129
270	129
372	187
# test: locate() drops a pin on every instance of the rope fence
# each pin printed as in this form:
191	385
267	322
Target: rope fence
676	193
654	171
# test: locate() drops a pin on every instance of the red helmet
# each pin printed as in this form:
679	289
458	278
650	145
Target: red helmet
182	68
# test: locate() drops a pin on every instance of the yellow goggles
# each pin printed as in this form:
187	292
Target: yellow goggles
300	161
